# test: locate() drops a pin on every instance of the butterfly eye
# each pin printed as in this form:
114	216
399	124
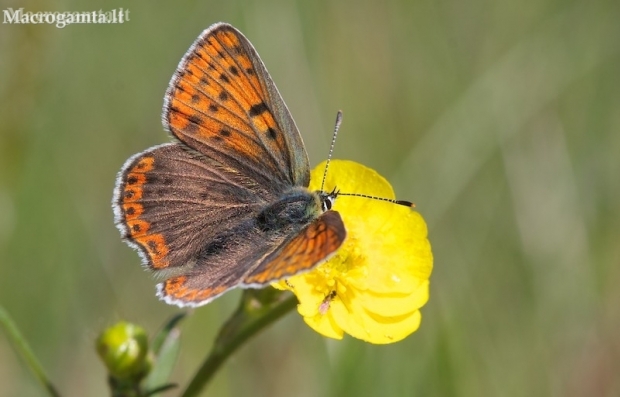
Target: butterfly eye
327	203
327	199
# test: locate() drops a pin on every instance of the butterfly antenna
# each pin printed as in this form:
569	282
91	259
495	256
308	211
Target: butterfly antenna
331	148
399	202
338	193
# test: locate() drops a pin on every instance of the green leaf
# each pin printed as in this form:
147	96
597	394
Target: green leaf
165	347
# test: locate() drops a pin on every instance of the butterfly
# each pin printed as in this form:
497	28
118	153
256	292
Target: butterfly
226	204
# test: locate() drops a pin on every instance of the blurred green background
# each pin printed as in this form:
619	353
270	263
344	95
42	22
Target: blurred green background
499	119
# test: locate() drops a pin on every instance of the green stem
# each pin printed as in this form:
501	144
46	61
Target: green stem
252	316
21	347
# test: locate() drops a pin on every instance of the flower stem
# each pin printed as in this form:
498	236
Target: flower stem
21	346
258	308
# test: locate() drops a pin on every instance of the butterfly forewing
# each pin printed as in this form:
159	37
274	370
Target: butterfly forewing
222	102
304	250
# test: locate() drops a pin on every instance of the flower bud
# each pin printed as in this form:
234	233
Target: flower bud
123	348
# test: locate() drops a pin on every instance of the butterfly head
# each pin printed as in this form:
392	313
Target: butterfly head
328	199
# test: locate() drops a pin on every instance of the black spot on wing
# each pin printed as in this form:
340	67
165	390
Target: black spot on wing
194	124
258	109
194	119
271	133
224	78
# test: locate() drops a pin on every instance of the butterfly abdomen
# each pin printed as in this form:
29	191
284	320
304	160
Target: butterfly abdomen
297	207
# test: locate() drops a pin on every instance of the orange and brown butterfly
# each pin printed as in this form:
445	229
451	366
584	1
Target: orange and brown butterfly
226	205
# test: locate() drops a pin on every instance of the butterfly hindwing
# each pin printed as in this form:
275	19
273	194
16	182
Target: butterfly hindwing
169	203
219	266
222	102
252	259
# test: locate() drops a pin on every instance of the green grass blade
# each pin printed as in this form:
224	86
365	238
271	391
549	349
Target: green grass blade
21	347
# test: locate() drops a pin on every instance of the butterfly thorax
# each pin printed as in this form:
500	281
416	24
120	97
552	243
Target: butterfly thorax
297	206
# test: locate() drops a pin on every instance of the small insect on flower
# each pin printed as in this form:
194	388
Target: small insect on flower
324	307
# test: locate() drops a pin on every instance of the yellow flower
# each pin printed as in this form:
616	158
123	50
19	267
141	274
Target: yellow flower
378	280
